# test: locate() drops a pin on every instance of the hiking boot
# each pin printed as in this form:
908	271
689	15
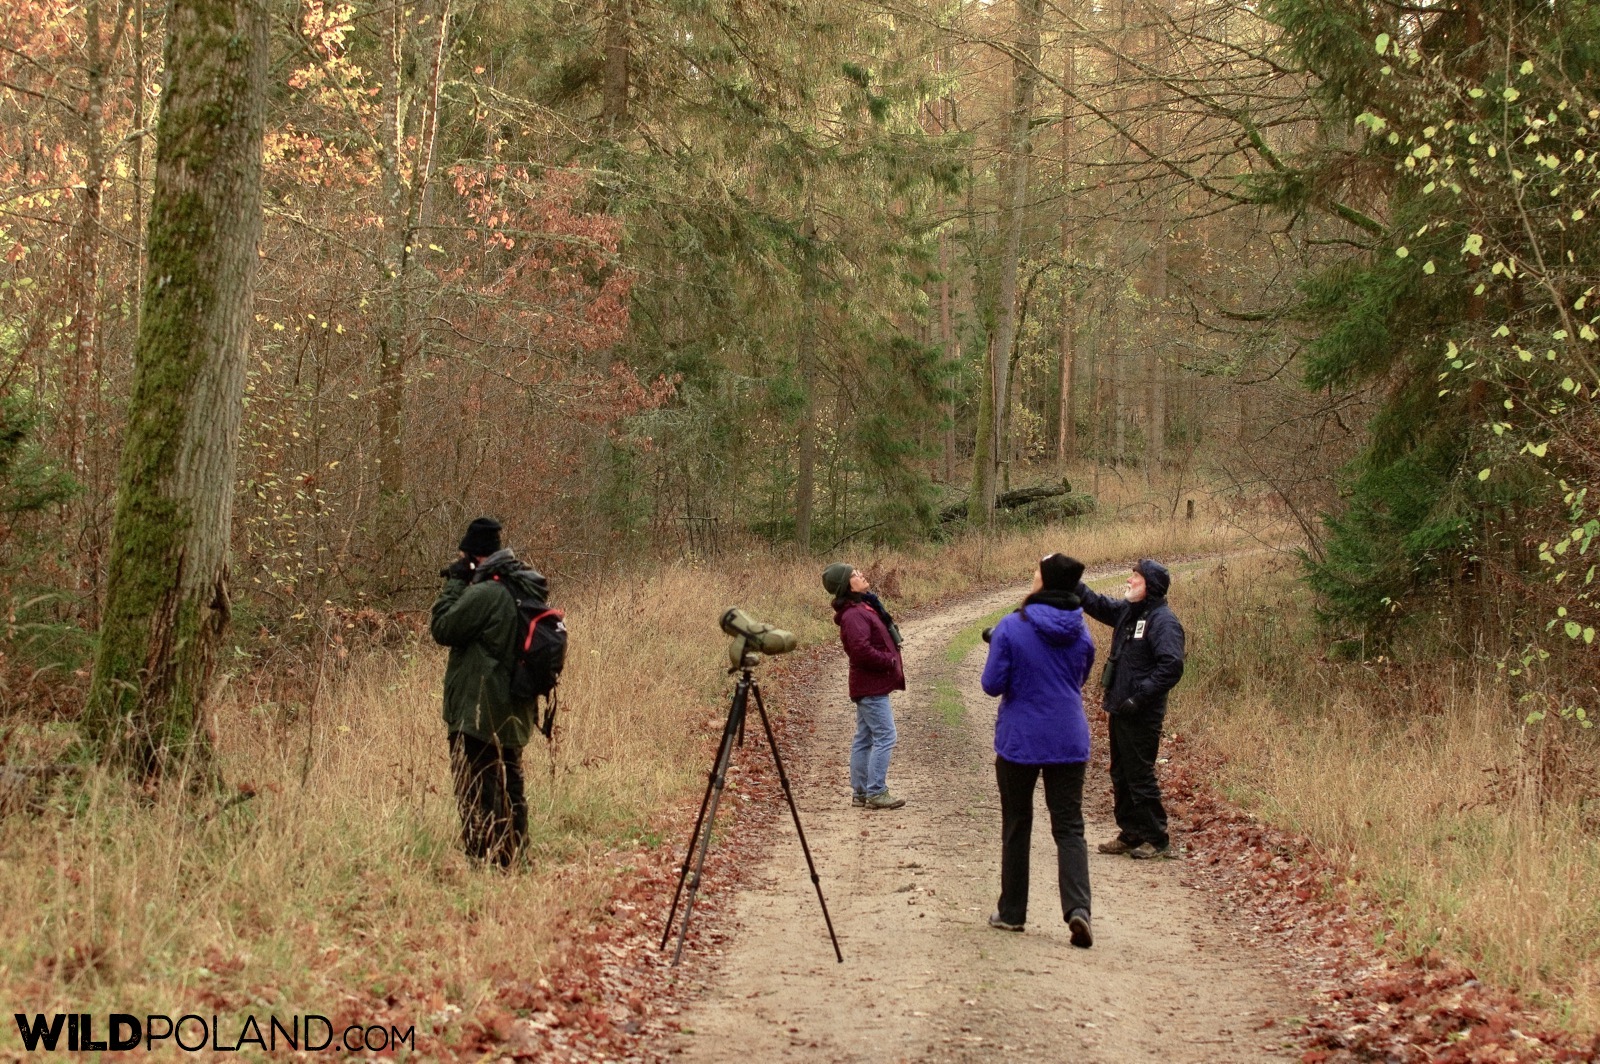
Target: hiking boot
884	800
1146	850
859	799
1000	925
1082	933
1114	846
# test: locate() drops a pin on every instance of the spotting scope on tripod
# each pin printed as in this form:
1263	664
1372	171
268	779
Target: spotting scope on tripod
749	639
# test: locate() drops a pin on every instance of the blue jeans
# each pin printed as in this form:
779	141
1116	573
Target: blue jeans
869	754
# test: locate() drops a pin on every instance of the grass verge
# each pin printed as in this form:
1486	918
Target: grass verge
969	637
329	880
947	701
1419	777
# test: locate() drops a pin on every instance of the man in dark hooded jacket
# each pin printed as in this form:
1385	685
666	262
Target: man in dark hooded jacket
476	617
1146	662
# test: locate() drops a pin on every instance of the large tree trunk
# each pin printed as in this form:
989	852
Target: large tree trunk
410	131
980	500
83	288
1116	379
167	594
617	42
1066	430
1154	372
806	446
1156	288
1013	217
983	439
947	340
394	331
952	353
83	257
1097	406
137	161
1113	349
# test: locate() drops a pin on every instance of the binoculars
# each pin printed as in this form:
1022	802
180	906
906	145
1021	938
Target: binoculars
750	638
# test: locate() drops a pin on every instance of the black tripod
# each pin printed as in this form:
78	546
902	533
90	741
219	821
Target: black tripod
731	731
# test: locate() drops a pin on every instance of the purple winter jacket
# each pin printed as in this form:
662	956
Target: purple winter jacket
875	666
1037	664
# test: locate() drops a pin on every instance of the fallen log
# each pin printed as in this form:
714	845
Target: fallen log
1010	500
1016	498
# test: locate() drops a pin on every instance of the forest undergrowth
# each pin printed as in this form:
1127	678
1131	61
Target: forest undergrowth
326	876
1417	774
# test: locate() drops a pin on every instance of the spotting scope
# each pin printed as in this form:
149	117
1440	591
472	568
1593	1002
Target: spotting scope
750	638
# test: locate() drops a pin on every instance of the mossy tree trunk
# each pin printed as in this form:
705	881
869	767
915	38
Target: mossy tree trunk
167	590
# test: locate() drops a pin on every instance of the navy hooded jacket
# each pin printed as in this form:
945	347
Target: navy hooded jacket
1146	643
1038	660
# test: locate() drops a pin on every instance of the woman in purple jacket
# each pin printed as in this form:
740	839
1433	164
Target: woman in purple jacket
1039	657
871	643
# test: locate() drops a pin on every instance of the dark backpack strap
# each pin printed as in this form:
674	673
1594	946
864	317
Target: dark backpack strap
548	724
514	609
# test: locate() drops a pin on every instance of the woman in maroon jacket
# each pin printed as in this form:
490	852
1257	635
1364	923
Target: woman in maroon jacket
870	642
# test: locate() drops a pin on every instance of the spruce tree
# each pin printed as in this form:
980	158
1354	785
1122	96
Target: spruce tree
1470	137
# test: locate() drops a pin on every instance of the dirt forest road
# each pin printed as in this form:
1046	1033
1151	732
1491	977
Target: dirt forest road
925	978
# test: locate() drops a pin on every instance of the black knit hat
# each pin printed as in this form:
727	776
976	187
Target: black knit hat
1060	572
482	538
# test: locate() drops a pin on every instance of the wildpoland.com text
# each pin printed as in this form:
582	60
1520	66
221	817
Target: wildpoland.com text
122	1031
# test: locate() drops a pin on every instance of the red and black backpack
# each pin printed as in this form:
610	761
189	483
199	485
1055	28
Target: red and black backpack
541	653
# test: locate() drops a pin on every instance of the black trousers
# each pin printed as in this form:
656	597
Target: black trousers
1135	792
489	795
1063	796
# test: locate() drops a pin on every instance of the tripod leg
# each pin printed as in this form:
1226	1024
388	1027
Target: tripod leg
783	779
699	864
719	777
711	784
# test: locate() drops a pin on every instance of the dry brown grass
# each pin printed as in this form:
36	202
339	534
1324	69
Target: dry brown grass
341	875
1420	777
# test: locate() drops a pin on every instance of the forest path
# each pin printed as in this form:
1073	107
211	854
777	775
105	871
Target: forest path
924	977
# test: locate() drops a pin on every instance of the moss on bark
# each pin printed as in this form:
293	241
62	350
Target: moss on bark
167	601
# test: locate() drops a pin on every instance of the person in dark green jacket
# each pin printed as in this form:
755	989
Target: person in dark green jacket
476	617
